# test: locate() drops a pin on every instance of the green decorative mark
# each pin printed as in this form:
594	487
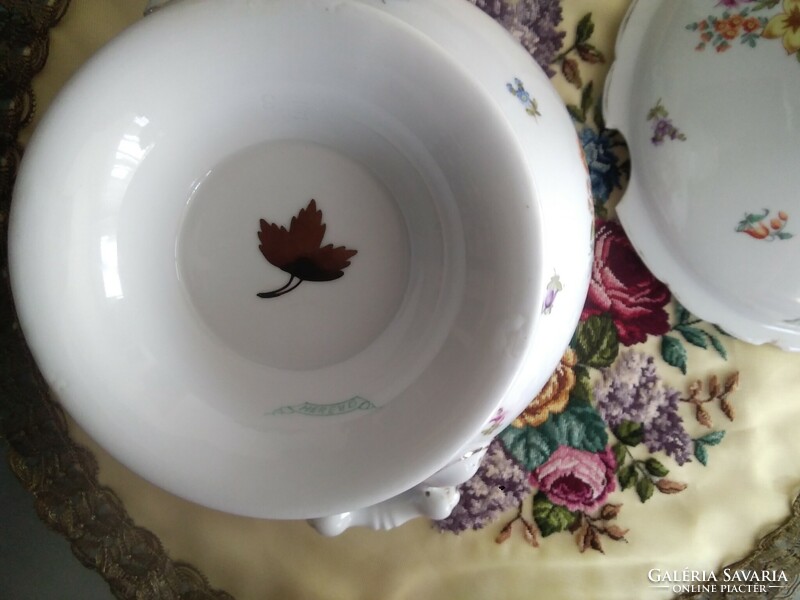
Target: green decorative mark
356	403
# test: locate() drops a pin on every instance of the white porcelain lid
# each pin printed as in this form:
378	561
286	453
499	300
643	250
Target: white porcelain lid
707	94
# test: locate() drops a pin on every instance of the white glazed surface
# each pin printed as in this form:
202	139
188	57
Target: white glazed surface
136	287
688	199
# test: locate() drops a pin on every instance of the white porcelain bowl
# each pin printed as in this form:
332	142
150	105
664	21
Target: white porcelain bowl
292	258
708	98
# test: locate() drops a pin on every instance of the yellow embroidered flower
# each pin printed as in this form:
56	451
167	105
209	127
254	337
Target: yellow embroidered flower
555	395
786	25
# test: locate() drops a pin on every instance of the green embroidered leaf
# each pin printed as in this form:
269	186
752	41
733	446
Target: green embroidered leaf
692	26
550	517
582	392
596	342
681	314
782	234
645	489
693	335
713	438
629	433
586	97
673	352
528	445
717	343
585	29
628	476
576	113
655	468
620	454
579	427
700	452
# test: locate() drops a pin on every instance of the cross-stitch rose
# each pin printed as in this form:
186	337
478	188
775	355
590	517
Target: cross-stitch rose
622	287
576	479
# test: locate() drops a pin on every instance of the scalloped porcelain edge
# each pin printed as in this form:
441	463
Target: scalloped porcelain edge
648	235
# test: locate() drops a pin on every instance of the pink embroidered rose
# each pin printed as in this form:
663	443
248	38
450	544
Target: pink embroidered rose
623	287
576	479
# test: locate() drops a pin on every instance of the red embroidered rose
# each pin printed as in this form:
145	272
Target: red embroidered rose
576	479
622	287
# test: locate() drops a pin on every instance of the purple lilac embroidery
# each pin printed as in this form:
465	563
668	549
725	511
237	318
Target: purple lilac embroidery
632	392
533	23
499	485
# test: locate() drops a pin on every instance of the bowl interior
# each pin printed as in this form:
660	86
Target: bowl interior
291	271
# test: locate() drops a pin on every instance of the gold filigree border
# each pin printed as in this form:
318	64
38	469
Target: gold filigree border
777	551
61	475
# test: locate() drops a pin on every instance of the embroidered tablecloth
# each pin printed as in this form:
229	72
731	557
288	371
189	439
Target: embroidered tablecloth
660	451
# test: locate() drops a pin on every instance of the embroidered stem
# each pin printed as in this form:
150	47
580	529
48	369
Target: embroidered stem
716	391
529	530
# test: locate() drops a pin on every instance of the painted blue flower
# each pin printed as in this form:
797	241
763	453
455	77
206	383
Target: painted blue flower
518	89
604	168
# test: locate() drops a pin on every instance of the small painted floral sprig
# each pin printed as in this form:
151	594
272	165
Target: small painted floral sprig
721	31
761	227
528	101
585	51
663	129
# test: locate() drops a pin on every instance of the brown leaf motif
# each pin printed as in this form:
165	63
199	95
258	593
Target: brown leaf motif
299	252
667	486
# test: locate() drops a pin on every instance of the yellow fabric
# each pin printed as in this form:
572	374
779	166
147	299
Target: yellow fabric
743	493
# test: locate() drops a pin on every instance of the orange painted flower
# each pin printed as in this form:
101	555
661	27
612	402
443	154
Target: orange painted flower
727	28
554	396
786	25
751	24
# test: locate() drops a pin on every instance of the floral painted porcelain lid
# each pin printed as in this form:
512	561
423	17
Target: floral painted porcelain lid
707	93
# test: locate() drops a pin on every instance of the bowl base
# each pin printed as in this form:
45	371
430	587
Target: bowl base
293	254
